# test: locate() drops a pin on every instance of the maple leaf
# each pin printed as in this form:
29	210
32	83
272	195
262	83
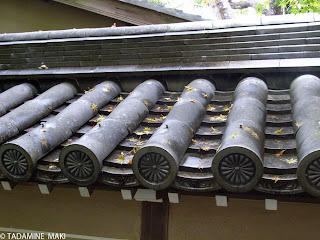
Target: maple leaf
279	131
110	109
200	167
272	117
146	129
101	118
43	67
130	162
210	108
136	149
43	142
218	147
250	130
169	107
159	109
194	141
90	89
227	109
121	158
189	89
236	134
133	140
150	120
279	154
119	99
204	95
167	98
191	100
298	124
276	179
93	121
291	161
214	130
179	99
219	118
94	107
205	148
145	102
140	133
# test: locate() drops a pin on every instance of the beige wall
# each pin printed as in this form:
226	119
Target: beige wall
34	15
199	218
104	214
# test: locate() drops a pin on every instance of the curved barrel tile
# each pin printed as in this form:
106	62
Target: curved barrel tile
19	157
32	111
238	164
156	164
15	96
97	144
305	99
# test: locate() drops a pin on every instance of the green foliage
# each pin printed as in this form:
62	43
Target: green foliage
156	1
244	11
261	7
291	6
202	3
301	6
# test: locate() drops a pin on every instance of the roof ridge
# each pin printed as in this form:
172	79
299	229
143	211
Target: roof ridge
162	28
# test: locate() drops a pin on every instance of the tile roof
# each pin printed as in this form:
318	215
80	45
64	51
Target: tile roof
189	129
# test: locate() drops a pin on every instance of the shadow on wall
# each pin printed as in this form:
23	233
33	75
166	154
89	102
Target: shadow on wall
34	15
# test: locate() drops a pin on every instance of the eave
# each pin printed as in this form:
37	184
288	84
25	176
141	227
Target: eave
133	12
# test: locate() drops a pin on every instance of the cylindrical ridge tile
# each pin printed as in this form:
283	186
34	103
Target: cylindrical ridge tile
29	148
15	96
156	164
305	99
33	110
92	148
238	163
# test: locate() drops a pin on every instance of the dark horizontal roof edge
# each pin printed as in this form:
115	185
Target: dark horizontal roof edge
280	65
160	28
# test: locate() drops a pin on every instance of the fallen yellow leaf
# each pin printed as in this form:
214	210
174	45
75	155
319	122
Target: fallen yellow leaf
276	179
278	131
291	161
188	88
121	158
210	108
251	131
236	134
43	142
299	124
204	95
94	107
279	154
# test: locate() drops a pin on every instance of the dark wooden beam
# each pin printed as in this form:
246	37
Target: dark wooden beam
154	223
123	11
